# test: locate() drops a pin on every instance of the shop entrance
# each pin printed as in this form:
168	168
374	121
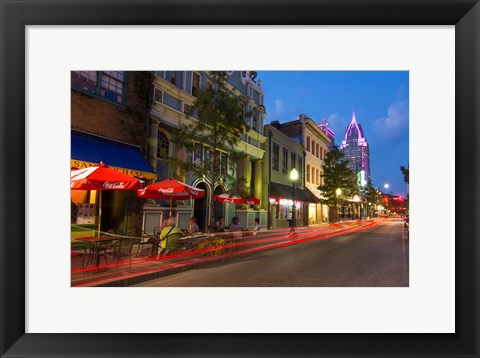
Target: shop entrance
200	208
218	207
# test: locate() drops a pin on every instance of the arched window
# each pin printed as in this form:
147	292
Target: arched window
163	148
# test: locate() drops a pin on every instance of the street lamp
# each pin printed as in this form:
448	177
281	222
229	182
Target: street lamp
293	177
338	192
386	186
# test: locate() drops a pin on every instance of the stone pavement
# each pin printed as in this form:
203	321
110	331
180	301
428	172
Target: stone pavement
144	268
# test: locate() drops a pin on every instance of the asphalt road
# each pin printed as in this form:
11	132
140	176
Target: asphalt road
375	257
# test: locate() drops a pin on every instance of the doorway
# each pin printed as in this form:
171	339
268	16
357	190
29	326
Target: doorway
218	207
200	209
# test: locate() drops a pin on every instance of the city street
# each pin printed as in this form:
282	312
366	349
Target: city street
375	257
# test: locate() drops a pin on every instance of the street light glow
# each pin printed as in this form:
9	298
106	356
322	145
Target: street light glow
294	174
386	186
338	191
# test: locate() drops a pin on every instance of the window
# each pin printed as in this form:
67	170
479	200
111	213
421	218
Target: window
260	99
285	161
317	177
198	155
171	76
196	82
158	95
109	85
318	150
308	173
275	154
206	155
163	146
321	153
241	115
313	147
187	108
292	163
249	91
300	169
308	144
223	163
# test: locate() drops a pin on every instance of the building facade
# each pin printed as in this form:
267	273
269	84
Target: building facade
109	121
282	155
357	152
315	144
174	93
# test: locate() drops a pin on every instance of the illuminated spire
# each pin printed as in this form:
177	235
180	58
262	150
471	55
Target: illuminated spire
354	120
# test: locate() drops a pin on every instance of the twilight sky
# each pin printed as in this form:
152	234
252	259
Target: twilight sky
380	99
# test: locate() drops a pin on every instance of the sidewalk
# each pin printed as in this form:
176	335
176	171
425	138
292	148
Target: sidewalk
144	268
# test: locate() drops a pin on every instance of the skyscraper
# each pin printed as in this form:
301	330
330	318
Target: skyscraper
356	149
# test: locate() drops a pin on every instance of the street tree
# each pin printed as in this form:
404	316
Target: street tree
337	175
406	178
215	123
406	173
372	195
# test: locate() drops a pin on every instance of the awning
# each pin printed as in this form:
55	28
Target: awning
88	150
285	192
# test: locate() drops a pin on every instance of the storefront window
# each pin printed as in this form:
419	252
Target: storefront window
83	206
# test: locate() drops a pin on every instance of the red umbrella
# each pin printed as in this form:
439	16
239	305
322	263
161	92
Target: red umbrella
171	189
102	177
227	198
251	201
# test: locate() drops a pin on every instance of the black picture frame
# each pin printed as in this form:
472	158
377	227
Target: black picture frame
15	15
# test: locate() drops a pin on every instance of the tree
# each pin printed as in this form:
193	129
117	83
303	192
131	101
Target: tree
373	196
406	175
214	127
337	175
405	172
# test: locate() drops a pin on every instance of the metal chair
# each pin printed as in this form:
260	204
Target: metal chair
99	249
79	250
153	241
121	248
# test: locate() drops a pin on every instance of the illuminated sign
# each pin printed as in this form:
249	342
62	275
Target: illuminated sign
136	173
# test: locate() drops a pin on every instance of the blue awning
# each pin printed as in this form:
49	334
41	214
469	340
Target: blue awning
88	150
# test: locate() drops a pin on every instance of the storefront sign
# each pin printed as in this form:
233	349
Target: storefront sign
135	173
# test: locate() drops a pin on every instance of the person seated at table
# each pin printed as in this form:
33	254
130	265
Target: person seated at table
236	227
165	222
169	236
219	224
193	225
257	226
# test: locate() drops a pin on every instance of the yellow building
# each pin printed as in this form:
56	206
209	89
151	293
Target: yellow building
315	143
173	96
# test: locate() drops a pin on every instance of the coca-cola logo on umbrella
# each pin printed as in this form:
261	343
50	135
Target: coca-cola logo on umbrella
166	191
114	185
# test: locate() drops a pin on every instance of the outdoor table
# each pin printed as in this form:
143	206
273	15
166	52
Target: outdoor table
188	242
96	241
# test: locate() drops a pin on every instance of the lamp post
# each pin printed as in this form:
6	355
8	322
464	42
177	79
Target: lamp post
338	192
293	177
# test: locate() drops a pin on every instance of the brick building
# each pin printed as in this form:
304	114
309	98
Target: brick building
110	121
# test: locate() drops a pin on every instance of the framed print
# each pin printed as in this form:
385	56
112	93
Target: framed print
42	315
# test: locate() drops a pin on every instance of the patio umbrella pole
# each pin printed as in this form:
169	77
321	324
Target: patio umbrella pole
99	211
171	200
